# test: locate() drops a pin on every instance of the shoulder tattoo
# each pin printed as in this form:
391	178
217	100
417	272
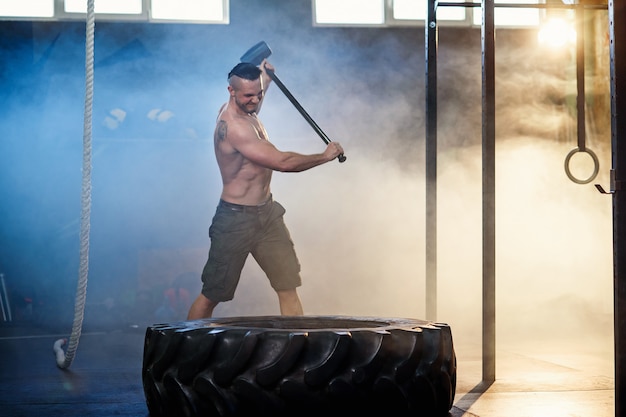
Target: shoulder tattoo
220	131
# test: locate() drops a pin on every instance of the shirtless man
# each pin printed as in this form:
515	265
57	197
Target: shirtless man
247	219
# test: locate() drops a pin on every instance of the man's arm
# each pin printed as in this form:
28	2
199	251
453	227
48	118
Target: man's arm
246	140
265	81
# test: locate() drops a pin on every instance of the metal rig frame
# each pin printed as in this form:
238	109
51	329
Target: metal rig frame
617	32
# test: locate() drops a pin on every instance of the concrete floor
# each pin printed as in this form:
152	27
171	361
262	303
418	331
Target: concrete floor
105	379
536	384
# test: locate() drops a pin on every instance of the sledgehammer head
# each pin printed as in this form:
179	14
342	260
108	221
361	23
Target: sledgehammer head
257	54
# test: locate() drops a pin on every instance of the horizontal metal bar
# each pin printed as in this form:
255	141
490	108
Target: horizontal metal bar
526	5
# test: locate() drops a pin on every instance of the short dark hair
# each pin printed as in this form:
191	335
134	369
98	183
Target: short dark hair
245	70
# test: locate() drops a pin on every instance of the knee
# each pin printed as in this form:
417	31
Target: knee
287	294
206	302
202	307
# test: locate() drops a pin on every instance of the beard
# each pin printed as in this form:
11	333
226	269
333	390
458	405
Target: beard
248	108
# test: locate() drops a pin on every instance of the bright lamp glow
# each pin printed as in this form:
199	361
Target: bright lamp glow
350	12
27	8
556	33
188	9
105	6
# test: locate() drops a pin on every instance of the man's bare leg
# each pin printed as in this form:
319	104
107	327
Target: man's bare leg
290	304
202	308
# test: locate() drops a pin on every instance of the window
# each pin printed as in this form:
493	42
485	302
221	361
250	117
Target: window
104	6
350	12
27	8
189	11
511	16
413	12
198	10
416	10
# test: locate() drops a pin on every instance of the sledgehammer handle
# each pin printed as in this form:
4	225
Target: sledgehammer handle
303	112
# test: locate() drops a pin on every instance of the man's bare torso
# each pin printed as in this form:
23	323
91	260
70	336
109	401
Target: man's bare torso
244	182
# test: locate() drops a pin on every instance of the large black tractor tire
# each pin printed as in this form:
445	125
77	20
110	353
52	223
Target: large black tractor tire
299	366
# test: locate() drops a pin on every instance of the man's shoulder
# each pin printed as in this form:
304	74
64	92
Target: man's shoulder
236	122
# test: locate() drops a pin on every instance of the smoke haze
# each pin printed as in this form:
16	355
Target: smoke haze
358	227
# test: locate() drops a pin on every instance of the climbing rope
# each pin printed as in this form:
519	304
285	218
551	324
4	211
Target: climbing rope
64	360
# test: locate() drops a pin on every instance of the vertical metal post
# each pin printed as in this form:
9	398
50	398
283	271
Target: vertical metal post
617	33
580	77
488	175
431	161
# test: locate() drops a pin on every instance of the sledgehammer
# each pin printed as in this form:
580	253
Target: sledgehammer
255	56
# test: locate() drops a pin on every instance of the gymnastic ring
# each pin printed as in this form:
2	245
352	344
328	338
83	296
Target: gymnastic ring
596	165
